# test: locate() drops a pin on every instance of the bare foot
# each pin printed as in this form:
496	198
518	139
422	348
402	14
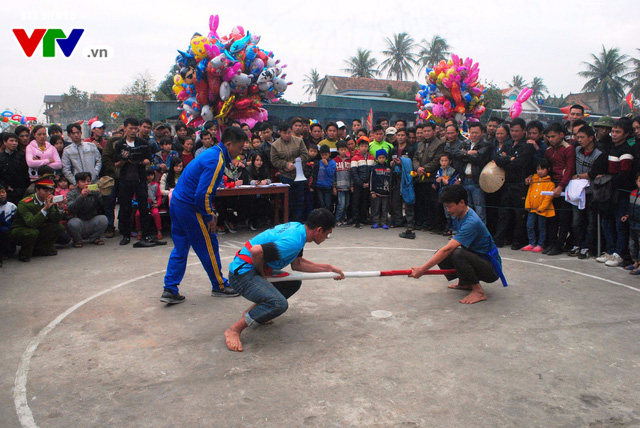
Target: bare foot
474	297
233	340
459	287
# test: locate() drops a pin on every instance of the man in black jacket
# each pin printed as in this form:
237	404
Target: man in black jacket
14	173
516	159
131	155
474	155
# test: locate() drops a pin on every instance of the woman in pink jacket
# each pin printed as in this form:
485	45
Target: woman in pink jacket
40	152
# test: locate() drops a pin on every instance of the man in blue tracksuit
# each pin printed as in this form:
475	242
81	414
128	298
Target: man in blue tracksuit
193	219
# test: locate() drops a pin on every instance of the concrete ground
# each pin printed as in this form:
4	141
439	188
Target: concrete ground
86	342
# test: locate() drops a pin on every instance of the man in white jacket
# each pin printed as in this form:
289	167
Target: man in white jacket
80	156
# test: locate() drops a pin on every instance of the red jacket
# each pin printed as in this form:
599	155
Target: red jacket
563	163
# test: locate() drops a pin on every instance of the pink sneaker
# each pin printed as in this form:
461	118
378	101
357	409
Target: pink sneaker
527	248
537	249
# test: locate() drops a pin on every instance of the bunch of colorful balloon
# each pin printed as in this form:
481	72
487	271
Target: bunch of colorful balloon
452	92
227	77
17	119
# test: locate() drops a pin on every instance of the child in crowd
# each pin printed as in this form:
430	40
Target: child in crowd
361	165
162	159
169	180
633	217
352	148
62	189
155	197
540	206
7	212
380	187
446	176
257	175
307	168
324	173
342	182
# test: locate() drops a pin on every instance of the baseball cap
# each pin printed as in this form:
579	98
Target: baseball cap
97	124
340	124
159	125
391	130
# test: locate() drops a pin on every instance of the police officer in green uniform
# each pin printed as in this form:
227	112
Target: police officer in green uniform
36	225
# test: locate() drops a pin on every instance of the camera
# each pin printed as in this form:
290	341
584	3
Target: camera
135	154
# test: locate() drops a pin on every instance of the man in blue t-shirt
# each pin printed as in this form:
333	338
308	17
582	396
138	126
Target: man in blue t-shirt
271	250
471	252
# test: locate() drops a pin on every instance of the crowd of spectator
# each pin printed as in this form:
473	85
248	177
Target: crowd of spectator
559	180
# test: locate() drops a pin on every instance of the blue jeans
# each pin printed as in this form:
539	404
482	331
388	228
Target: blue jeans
541	221
616	232
476	198
343	203
296	198
271	299
325	197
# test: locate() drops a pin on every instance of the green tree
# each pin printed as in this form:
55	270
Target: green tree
362	65
493	97
538	87
165	89
434	51
633	76
400	56
401	95
518	81
605	76
313	83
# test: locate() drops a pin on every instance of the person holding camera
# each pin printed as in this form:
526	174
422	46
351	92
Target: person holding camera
36	225
131	156
85	203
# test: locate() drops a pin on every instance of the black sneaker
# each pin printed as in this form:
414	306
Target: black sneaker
225	292
125	240
555	251
546	250
171	299
574	251
584	254
144	243
357	226
408	234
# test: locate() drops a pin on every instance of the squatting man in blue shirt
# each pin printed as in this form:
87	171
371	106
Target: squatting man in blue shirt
271	250
471	252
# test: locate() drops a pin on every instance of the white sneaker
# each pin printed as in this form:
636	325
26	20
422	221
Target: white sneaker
603	258
614	261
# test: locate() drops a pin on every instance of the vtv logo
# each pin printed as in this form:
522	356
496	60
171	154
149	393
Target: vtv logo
49	38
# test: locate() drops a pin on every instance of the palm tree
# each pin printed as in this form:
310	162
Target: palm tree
605	76
538	87
313	83
517	81
400	56
362	65
433	52
633	76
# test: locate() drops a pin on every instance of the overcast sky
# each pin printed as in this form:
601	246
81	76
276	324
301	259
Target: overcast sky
549	39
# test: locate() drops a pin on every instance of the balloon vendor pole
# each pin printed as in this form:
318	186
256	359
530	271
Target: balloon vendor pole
296	276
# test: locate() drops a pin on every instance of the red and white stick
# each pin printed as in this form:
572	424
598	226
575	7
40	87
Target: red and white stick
286	276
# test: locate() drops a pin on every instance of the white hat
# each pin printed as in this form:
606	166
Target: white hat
391	131
97	124
340	124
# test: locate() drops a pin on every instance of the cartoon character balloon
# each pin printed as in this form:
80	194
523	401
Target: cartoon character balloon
227	77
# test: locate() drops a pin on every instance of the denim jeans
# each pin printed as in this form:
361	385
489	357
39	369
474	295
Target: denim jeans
536	220
271	299
476	198
616	232
343	203
325	197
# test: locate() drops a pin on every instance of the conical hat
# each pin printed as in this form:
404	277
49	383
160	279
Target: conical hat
491	178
